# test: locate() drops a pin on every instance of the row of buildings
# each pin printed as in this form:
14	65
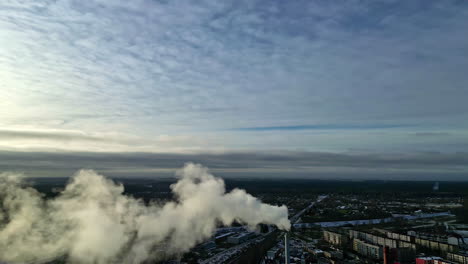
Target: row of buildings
461	258
380	244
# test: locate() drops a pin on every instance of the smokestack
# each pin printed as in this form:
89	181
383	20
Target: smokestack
286	248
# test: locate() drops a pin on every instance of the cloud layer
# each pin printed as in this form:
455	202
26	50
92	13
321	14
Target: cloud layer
205	70
357	164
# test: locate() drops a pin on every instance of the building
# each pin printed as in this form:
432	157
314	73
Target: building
240	238
441	261
427	260
335	238
223	237
398	236
367	250
458	240
435	245
461	258
333	254
383	241
398	255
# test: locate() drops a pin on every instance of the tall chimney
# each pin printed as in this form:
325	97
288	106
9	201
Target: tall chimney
286	248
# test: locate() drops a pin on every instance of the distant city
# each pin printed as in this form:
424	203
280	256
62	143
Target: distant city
333	222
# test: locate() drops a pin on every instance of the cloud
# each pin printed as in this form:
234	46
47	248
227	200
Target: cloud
320	127
52	135
76	140
279	164
430	134
150	68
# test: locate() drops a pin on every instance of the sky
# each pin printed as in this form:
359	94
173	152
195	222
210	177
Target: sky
288	88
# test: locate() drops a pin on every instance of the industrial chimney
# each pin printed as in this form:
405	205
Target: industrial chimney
286	248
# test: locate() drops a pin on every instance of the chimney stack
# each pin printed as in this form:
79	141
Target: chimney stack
286	248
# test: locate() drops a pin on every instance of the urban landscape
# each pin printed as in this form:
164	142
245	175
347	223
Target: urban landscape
423	227
233	132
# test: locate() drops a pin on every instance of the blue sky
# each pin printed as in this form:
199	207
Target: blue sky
228	76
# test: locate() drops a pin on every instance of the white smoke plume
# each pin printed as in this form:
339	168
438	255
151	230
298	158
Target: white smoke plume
91	221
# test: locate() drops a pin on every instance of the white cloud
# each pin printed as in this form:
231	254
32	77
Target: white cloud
192	69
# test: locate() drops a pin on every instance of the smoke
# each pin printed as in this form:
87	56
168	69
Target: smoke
91	221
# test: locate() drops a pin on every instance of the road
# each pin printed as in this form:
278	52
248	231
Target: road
297	216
